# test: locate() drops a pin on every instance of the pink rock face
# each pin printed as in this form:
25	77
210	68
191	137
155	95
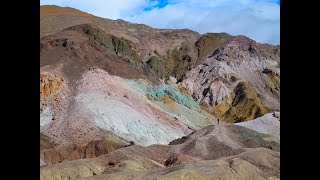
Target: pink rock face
128	113
107	102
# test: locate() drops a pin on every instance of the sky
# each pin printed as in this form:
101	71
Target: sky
257	19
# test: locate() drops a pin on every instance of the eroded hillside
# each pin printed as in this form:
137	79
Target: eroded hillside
127	101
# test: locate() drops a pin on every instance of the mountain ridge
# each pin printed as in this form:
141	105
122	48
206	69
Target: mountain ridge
119	93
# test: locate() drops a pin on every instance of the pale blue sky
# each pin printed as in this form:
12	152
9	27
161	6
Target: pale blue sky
257	19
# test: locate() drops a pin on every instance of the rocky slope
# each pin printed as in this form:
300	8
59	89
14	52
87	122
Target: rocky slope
239	81
159	49
114	94
50	154
215	152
